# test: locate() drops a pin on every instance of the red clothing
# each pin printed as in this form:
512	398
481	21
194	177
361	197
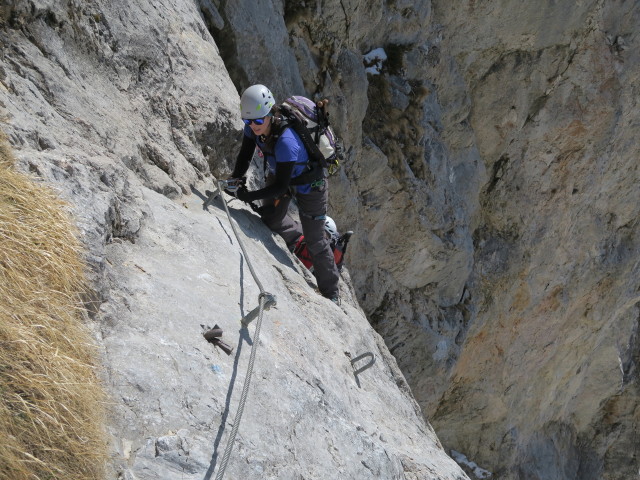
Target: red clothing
302	252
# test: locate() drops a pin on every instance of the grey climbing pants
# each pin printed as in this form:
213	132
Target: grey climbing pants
310	206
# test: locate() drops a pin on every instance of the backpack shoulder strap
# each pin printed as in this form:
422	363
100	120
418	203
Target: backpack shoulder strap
278	126
291	120
323	116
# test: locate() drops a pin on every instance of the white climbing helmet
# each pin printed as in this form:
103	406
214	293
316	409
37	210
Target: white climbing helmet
256	102
330	228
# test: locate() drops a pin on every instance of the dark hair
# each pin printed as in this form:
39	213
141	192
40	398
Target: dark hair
276	129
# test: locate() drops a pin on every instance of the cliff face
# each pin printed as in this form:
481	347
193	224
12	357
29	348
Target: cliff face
548	366
495	193
125	109
491	176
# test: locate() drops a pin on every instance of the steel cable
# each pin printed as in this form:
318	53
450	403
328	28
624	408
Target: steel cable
256	339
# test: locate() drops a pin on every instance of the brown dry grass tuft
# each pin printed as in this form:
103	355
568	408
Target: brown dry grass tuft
51	403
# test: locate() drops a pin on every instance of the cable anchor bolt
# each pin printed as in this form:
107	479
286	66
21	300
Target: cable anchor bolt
270	301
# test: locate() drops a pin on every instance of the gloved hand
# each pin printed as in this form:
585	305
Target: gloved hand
243	194
232	185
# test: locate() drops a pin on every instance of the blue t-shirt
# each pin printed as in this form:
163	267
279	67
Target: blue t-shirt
288	148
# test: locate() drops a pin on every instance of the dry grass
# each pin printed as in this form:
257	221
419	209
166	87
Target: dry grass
51	404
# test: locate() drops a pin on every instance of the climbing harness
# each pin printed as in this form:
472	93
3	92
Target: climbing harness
265	300
318	183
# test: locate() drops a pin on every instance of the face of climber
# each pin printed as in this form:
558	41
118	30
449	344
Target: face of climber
259	126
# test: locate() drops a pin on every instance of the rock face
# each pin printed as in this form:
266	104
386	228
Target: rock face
491	176
495	192
548	367
125	109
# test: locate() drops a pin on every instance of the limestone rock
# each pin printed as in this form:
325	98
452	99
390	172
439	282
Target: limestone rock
546	356
490	175
123	108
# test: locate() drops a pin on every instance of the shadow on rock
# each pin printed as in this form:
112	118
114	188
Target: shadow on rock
252	226
244	337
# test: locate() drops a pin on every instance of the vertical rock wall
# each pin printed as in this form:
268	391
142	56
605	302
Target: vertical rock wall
124	108
547	377
491	178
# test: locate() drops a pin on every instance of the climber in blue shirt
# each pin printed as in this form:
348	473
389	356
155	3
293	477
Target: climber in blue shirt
288	174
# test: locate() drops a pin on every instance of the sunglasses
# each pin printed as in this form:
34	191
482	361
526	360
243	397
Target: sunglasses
257	121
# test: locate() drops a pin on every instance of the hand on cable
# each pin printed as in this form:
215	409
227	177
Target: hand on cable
233	184
243	194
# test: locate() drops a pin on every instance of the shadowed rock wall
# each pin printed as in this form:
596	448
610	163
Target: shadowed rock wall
547	374
491	178
124	108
